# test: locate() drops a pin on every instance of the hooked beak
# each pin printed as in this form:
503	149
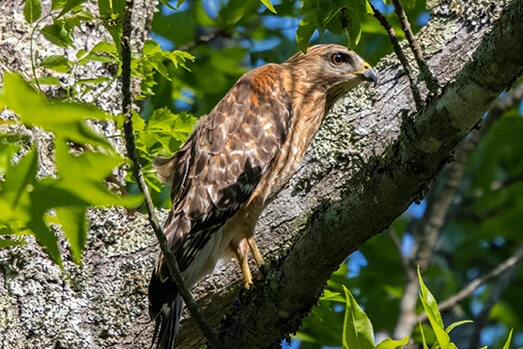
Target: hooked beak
370	75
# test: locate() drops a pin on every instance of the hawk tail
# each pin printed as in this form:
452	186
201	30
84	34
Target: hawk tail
165	307
167	324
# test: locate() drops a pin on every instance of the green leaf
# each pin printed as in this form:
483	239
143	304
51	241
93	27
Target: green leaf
84	57
410	3
69	5
104	46
15	228
334	26
429	303
152	49
309	5
509	339
7	150
328	295
431	308
168	4
424	340
64	119
351	24
305	30
19	182
74	19
138	122
324	325
357	328
21	192
390	343
358	6
43	198
74	224
9	243
46	80
57	4
96	81
201	16
456	324
268	4
56	63
368	8
83	176
32	10
57	34
111	12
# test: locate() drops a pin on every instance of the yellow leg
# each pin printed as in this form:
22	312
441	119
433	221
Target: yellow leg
243	260
255	251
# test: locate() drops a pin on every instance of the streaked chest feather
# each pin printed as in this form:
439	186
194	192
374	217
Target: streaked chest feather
306	121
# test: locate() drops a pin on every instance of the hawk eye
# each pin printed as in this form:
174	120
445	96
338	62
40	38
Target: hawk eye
339	58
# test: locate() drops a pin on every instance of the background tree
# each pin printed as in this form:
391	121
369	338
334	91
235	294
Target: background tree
373	157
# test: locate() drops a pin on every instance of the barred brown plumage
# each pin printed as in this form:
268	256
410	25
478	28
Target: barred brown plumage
235	162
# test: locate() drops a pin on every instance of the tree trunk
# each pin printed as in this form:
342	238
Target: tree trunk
372	158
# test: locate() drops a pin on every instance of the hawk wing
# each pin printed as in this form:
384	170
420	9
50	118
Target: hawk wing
224	158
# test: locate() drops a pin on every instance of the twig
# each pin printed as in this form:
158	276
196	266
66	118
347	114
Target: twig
426	231
426	75
473	285
438	201
498	288
169	258
401	56
409	298
409	270
511	99
204	39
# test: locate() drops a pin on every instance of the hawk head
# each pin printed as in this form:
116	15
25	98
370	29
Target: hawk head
332	67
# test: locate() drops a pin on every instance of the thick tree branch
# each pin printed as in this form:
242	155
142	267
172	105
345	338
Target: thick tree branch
106	306
294	284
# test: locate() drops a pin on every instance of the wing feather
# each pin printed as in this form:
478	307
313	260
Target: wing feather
224	159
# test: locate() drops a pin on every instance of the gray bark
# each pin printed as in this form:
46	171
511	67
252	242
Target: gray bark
367	164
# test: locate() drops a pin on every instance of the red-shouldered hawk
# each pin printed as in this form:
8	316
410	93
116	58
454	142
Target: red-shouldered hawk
236	161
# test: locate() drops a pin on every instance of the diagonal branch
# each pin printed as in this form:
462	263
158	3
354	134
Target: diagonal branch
500	286
426	74
507	265
401	56
405	261
205	39
169	257
327	235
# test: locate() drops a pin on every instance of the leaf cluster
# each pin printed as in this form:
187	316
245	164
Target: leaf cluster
37	205
83	158
162	134
336	16
357	331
